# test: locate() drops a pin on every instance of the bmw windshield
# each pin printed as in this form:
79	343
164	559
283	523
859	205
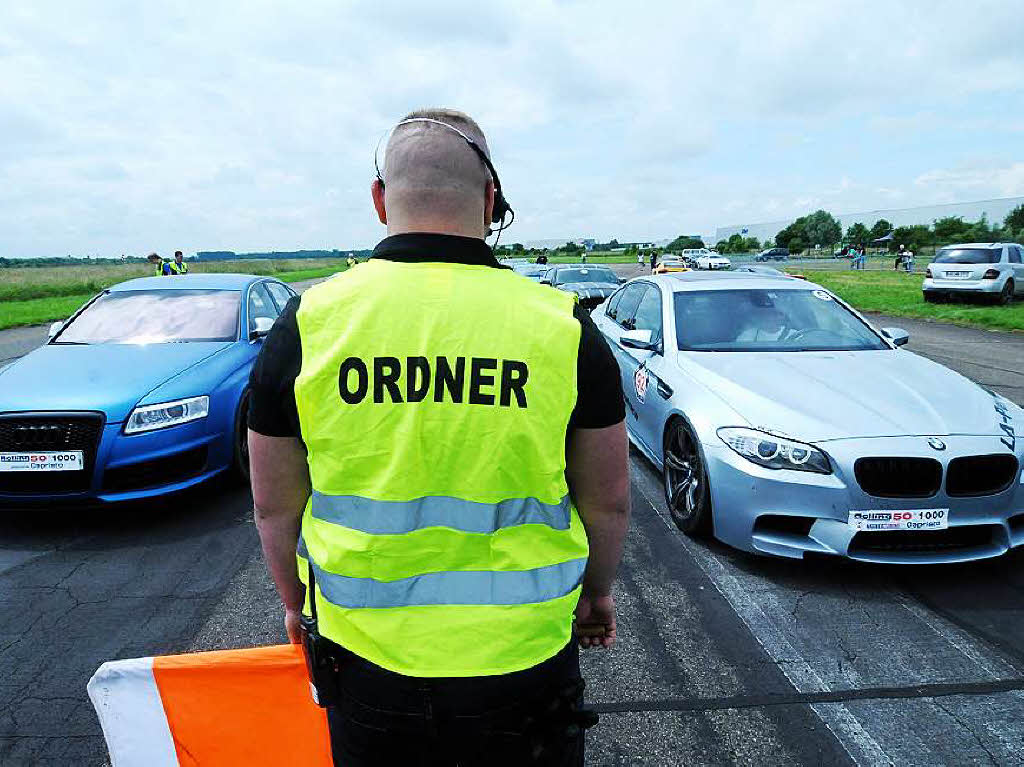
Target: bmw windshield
764	320
156	316
585	274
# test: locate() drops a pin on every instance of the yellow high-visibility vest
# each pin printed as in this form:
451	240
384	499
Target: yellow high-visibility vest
177	268
434	400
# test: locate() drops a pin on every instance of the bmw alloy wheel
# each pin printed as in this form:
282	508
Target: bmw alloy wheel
686	481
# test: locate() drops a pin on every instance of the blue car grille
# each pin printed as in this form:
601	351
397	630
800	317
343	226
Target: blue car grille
24	432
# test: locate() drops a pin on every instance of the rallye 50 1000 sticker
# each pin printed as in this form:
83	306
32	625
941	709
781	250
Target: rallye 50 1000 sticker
900	519
69	460
640	381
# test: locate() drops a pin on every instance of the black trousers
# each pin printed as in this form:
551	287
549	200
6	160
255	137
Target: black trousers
528	717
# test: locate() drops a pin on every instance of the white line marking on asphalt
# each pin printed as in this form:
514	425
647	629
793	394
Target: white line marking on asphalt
861	747
996	668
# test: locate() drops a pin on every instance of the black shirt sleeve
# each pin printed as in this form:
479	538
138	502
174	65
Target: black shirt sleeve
272	410
599	400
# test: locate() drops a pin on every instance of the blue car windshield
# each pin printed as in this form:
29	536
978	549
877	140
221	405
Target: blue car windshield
156	316
765	320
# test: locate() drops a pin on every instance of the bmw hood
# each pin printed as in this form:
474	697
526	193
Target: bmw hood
589	289
110	378
821	396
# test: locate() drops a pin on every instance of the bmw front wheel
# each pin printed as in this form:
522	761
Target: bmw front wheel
687	493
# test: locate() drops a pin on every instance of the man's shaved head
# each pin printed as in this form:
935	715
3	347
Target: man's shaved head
434	180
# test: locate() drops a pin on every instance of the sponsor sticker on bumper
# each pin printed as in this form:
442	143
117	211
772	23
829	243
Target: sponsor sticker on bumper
68	460
899	519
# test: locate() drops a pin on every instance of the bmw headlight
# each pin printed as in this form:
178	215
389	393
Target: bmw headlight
150	417
774	452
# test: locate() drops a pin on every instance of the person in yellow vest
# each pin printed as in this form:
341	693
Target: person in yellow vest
157	262
178	265
439	469
350	261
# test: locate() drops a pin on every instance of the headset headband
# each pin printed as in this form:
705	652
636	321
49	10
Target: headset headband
501	206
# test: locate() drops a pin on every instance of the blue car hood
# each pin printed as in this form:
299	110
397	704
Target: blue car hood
108	377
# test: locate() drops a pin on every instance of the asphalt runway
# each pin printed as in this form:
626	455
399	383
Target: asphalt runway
723	657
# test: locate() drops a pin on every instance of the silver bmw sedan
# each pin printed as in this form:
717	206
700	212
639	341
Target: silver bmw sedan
785	424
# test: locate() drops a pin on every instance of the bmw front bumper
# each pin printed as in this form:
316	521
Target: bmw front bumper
792	513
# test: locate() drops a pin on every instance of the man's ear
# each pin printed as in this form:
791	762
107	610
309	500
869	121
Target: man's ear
377	192
488	204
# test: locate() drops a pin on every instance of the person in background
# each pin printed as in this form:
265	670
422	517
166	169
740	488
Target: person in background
350	261
908	260
177	266
899	258
654	261
157	262
639	259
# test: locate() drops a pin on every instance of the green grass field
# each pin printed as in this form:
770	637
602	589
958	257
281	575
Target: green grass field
899	294
31	296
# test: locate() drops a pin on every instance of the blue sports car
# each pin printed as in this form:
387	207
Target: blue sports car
141	393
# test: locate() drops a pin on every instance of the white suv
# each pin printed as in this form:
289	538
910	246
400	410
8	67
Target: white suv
991	269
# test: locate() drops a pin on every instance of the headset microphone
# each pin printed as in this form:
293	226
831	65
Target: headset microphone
501	207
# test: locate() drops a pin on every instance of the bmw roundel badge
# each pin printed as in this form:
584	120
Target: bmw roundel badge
936	443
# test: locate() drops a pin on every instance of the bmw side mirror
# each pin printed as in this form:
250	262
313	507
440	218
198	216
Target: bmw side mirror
638	339
260	327
898	336
55	328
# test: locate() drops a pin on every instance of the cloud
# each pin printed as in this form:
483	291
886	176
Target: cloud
130	126
1005	181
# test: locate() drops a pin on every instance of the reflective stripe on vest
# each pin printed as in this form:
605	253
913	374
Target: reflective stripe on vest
517	587
177	268
396	517
434	400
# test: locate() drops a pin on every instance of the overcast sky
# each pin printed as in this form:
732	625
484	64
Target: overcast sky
131	126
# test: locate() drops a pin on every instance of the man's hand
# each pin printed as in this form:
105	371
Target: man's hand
291	625
595	621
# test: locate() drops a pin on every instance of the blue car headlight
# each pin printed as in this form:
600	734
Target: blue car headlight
150	417
774	452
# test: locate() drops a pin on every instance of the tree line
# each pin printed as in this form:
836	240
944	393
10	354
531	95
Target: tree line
822	229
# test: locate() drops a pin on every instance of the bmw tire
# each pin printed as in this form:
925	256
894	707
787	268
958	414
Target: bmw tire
685	479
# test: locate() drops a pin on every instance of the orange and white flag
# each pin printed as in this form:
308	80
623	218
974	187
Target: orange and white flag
229	707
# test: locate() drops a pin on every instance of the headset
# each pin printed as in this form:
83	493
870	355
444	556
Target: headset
501	206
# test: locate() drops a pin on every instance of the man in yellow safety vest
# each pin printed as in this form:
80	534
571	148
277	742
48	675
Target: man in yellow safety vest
439	469
178	265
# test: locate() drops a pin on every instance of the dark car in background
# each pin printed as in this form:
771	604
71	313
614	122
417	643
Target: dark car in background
773	254
591	284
